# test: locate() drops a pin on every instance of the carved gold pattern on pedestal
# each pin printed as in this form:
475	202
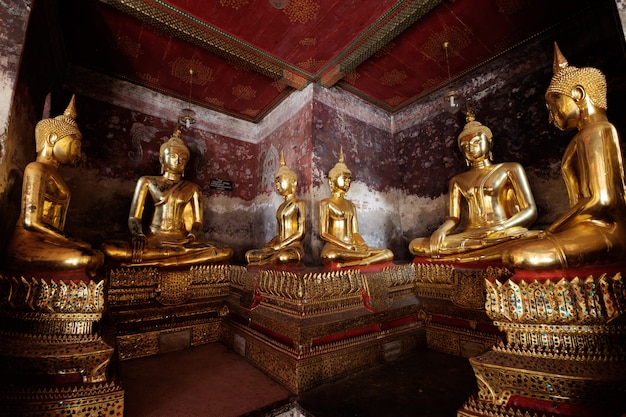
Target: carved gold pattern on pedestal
106	398
48	327
565	343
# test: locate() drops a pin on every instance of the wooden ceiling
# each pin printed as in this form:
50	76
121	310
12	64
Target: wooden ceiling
248	55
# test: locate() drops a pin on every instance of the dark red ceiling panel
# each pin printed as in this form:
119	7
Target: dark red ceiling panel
305	41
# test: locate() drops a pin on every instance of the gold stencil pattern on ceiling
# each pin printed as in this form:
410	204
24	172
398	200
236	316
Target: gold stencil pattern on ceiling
301	11
214	101
250	112
457	40
311	64
244	92
308	42
127	47
393	77
201	73
235	4
279	85
395	100
148	78
509	7
351	77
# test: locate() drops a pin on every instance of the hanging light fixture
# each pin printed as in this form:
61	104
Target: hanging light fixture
452	98
188	116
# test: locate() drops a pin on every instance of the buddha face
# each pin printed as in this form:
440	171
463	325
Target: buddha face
475	148
174	159
563	111
285	184
341	183
67	150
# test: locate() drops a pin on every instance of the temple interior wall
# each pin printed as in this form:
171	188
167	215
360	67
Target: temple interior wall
400	162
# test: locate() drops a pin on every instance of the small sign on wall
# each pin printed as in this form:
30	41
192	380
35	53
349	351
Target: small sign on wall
221	185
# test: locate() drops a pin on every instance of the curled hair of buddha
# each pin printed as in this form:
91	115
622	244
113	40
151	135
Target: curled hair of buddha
339	168
62	126
285	171
473	128
566	78
175	142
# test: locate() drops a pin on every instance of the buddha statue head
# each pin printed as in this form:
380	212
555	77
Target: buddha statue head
475	140
339	176
570	87
49	132
286	179
174	154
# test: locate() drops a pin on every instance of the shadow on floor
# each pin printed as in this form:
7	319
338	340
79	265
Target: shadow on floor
214	381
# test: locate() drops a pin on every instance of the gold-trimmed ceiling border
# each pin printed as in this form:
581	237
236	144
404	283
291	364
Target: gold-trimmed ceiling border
391	24
178	24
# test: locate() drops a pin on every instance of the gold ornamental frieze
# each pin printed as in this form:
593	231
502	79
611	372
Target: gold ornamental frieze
589	300
51	296
578	382
322	292
82	400
133	286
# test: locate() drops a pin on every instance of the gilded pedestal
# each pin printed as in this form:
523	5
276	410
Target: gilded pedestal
155	310
54	360
564	351
452	297
309	327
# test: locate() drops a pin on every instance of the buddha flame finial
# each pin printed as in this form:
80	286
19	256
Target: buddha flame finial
560	61
70	111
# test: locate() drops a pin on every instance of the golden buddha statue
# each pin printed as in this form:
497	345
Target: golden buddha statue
286	246
499	202
173	237
39	242
339	226
593	230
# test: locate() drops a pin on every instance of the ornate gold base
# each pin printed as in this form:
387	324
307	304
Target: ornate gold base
564	347
453	300
94	400
311	328
54	361
300	369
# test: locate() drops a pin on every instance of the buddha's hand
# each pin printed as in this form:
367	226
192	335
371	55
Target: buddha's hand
362	247
436	241
138	248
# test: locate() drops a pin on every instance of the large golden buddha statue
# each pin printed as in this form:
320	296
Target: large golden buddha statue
39	242
173	238
593	230
286	246
499	201
338	225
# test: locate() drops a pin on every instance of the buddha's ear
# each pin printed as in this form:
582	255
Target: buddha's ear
51	139
578	93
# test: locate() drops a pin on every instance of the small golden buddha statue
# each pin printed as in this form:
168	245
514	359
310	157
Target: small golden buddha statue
338	225
286	246
173	237
593	230
39	242
498	197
